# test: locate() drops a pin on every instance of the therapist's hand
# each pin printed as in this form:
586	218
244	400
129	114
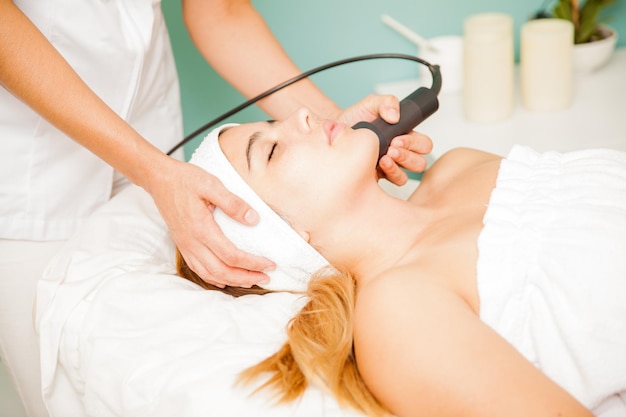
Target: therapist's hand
186	196
406	151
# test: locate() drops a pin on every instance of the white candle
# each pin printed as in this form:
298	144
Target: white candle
546	64
488	81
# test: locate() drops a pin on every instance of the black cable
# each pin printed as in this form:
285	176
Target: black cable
434	70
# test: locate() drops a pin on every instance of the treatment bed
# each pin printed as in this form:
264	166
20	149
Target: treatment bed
122	335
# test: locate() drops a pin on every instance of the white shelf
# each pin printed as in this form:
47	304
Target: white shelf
596	118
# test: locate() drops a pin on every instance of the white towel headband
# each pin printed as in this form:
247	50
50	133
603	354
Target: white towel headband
272	237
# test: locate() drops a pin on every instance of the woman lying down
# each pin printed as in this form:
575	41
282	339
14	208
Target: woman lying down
497	289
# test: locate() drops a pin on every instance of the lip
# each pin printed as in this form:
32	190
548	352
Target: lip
332	129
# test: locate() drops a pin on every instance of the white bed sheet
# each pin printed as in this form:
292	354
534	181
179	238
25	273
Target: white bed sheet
121	335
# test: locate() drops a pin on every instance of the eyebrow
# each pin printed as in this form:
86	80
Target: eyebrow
253	139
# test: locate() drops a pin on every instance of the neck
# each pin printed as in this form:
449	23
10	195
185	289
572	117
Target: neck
375	233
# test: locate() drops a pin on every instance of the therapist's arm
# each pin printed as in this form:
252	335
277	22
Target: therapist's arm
33	70
235	39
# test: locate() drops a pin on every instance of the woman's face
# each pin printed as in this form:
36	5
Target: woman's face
302	167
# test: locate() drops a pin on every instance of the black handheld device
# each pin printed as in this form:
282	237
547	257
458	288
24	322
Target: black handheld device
414	109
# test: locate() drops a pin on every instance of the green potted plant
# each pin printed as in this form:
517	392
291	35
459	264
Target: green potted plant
594	42
586	18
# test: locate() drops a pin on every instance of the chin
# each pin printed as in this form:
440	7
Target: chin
368	141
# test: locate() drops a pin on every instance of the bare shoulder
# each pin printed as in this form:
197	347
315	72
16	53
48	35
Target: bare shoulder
422	351
458	161
467	156
399	312
396	318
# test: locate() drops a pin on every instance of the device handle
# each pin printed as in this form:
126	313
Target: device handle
414	109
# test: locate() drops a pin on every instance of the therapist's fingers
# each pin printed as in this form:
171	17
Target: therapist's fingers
414	142
218	261
391	171
370	107
214	266
234	207
406	151
186	196
389	108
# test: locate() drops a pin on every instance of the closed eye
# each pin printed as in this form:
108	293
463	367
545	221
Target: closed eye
269	157
254	139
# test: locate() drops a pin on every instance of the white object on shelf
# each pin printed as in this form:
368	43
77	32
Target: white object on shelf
546	69
449	56
488	67
445	51
411	35
589	57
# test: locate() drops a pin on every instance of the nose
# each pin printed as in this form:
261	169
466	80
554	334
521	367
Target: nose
302	120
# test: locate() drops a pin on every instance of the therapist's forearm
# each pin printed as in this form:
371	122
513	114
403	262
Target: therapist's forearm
33	70
236	41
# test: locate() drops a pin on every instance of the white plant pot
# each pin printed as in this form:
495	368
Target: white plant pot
591	56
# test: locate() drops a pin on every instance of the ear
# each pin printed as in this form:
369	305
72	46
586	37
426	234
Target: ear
304	235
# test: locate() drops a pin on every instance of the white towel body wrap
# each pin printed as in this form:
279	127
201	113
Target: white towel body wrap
552	268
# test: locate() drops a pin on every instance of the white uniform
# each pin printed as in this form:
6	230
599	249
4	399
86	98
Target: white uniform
50	184
552	269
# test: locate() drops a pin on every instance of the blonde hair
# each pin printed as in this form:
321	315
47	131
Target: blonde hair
320	343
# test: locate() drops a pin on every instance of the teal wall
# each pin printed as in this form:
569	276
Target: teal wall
317	32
